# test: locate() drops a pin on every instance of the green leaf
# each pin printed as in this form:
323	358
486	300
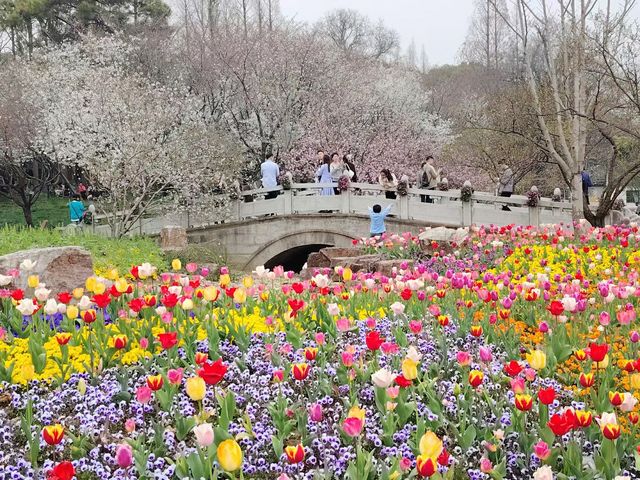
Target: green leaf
468	437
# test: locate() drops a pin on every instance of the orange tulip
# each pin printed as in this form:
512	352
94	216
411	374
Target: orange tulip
580	355
63	338
476	330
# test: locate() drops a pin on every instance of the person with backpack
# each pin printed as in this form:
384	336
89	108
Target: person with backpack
429	178
76	210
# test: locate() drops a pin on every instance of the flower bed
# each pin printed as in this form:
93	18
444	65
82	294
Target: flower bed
515	356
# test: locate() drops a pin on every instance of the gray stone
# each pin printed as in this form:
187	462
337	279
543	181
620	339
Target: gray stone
318	260
333	252
444	234
385	267
173	238
60	268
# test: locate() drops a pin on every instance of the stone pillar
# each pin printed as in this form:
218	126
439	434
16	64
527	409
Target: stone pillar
287	197
403	207
345	201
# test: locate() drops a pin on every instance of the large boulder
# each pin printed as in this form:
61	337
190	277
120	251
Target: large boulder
444	234
173	238
60	268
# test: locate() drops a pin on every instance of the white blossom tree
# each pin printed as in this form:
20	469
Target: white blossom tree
142	143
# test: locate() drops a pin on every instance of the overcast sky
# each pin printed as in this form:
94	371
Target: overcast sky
441	25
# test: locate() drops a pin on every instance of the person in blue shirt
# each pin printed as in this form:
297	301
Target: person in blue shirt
270	173
586	184
76	210
377	215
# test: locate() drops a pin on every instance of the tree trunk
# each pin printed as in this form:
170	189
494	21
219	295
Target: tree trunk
26	211
577	198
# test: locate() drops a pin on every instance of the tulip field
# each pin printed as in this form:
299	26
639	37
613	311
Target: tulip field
513	355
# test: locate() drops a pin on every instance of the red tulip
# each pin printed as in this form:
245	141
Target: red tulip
556	308
513	368
406	294
426	466
402	381
101	300
546	395
170	300
562	423
136	304
62	471
120	341
65	297
213	373
168	340
373	340
298	287
598	352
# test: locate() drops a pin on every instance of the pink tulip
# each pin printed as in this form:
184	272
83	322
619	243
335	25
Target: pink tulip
518	385
204	271
319	338
143	394
352	426
175	376
485	354
415	326
389	348
604	318
485	465
278	375
343	324
191	267
225	270
530	374
371	323
315	412
543	327
144	343
124	455
464	358
130	425
347	359
541	450
634	336
167	318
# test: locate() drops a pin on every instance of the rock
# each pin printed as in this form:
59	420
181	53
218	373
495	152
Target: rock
173	238
60	268
444	234
318	260
333	252
386	267
617	217
363	262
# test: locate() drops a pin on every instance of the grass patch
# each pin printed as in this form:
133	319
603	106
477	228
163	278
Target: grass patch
107	252
52	209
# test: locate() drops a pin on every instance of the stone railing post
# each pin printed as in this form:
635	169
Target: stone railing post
345	201
287	197
236	209
403	207
467	204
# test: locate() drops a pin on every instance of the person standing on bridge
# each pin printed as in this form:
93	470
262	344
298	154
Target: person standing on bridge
505	184
270	173
323	175
336	168
429	178
377	216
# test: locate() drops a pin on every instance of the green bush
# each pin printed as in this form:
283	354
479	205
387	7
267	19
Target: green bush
107	253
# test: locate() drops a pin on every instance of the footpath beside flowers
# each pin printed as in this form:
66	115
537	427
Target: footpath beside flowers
513	355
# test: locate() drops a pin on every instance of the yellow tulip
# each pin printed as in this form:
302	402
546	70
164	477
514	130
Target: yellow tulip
111	274
430	445
121	285
240	296
99	288
229	455
176	264
225	280
90	284
604	363
347	274
409	369
72	312
356	412
634	380
33	281
210	293
78	292
247	282
196	388
187	304
28	372
537	359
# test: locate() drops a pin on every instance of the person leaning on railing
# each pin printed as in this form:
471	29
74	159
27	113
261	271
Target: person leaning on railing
389	182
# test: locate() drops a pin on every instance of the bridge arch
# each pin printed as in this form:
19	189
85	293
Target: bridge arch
294	248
